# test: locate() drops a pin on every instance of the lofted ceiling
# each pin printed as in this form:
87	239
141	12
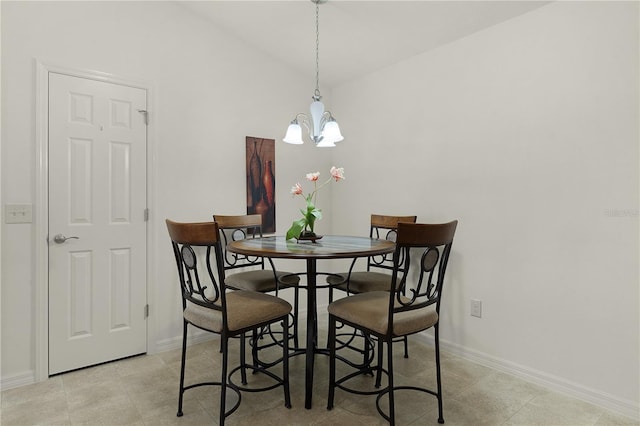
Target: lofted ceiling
356	36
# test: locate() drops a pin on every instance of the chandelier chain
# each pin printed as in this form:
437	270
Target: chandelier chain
317	93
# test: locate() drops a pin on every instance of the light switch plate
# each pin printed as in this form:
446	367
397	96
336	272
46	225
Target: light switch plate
476	308
18	213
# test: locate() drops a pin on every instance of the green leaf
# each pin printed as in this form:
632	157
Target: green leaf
296	228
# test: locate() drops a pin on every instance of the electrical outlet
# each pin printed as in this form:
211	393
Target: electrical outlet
18	213
476	308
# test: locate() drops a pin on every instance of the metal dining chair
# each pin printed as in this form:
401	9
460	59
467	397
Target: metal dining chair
208	305
405	308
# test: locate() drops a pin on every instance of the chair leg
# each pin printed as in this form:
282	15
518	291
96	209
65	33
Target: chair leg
438	375
255	336
329	330
379	368
285	362
243	346
223	379
182	366
392	408
332	360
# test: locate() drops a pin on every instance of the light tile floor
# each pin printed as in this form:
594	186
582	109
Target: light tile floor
143	391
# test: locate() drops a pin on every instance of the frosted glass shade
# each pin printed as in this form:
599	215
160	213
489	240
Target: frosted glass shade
294	134
325	143
331	131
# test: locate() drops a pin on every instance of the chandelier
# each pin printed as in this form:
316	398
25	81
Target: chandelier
322	127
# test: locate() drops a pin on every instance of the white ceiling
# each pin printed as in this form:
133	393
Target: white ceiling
356	36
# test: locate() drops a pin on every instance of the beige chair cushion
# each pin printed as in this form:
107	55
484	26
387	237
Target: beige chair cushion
244	309
370	310
260	280
361	282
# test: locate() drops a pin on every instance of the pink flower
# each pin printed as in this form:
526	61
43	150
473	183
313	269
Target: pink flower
313	176
337	173
297	189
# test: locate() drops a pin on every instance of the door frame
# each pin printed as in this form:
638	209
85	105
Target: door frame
41	223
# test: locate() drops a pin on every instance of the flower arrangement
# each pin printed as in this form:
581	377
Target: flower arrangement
304	226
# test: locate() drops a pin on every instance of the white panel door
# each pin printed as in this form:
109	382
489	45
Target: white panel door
97	199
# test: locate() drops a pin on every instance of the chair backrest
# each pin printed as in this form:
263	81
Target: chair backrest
239	227
386	228
433	241
200	284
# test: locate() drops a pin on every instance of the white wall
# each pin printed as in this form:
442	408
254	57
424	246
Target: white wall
526	132
209	91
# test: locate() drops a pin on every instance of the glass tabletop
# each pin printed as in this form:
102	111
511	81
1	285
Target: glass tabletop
328	247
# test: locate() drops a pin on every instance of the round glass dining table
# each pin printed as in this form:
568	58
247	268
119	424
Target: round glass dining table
329	247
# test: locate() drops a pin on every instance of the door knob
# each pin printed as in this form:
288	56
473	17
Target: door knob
59	239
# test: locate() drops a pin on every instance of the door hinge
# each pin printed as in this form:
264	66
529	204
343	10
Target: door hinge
145	113
146	311
146	215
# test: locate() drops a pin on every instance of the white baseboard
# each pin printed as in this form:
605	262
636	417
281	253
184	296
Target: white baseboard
17	380
557	384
